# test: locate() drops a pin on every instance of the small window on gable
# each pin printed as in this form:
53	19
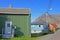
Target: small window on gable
39	25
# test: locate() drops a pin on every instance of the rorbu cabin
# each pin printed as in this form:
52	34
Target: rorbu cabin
20	17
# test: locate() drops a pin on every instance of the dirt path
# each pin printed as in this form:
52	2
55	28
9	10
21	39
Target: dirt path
55	36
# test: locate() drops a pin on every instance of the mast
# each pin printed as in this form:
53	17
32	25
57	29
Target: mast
48	9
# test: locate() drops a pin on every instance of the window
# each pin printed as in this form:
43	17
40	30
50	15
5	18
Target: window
8	25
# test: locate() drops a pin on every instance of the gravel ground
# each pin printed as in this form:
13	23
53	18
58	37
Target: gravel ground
55	36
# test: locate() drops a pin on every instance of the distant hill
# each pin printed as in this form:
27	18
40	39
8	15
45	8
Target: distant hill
53	18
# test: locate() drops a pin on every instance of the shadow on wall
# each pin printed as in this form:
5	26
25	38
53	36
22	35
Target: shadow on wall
2	22
18	33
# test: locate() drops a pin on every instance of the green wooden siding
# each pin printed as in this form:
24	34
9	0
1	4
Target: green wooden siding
22	22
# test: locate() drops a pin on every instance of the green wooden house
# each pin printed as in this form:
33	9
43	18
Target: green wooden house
19	17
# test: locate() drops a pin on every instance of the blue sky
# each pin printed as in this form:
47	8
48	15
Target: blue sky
37	7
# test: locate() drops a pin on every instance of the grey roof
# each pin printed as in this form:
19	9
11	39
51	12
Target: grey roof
15	10
50	18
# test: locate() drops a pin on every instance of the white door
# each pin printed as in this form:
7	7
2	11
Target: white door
8	27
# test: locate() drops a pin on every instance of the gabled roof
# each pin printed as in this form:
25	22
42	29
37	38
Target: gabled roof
14	11
47	18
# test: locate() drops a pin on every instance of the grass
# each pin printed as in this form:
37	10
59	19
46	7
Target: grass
33	37
58	29
25	38
38	35
18	38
